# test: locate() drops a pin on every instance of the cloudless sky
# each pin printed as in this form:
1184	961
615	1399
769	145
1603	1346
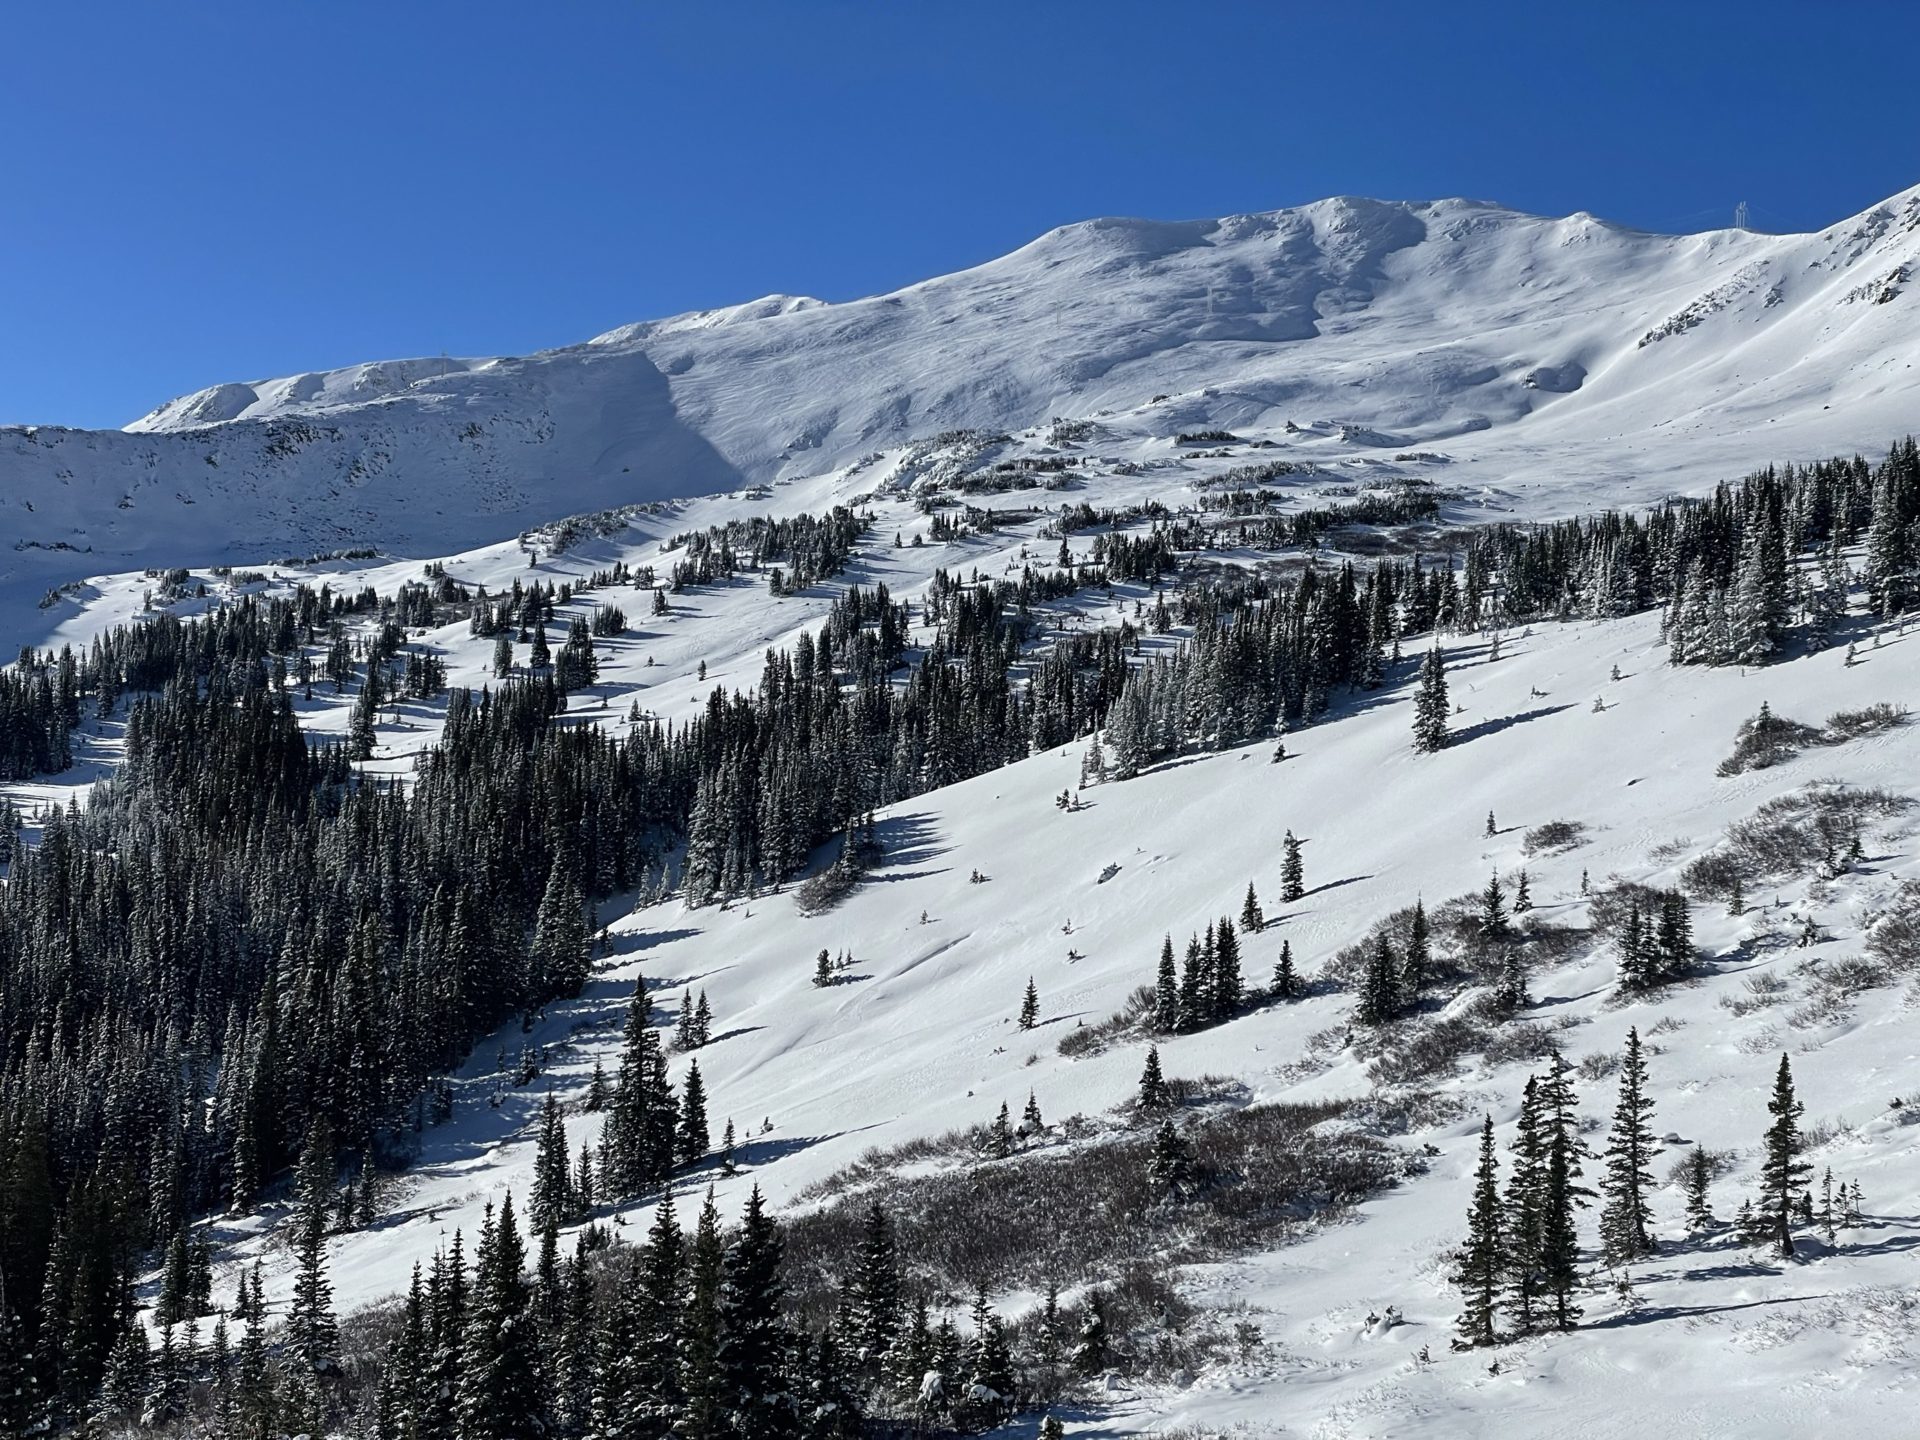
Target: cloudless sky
197	192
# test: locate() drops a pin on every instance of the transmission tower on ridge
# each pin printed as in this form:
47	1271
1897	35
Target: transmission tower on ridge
1740	216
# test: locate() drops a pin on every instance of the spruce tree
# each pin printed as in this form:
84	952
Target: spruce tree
312	1332
875	1292
1153	1085
1478	1273
756	1388
1286	984
1030	1007
501	1394
692	1139
1782	1171
1252	921
1493	909
1166	991
1293	882
1170	1166
1379	999
1523	1211
1628	1179
1430	705
1699	1207
1227	985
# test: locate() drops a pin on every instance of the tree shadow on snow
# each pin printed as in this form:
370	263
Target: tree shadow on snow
1494	727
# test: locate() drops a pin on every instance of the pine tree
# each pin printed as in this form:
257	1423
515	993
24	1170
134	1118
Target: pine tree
1418	959
501	1395
1563	1195
16	1373
1286	984
1782	1171
692	1140
1170	1167
1699	1206
1153	1086
1000	1134
1166	991
1624	1220
1523	1211
1522	897
1379	1000
875	1292
1252	921
1493	909
1195	999
1636	962
1090	1355
1226	986
1478	1273
312	1332
1030	1120
1430	705
755	1387
1030	1007
550	1201
1293	884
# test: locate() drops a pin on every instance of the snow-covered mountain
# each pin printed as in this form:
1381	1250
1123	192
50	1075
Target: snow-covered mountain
1551	349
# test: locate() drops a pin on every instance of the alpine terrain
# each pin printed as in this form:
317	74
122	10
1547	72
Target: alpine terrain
1295	824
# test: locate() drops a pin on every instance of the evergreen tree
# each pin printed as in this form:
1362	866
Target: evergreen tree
1478	1273
1226	986
1430	705
312	1332
1293	884
1092	1352
1252	921
1171	1166
1030	1007
875	1293
1286	984
1699	1206
1782	1171
756	1387
1418	960
1523	1213
550	1201
692	1140
1379	1000
1628	1180
1562	1196
1166	991
501	1395
1493	910
1153	1085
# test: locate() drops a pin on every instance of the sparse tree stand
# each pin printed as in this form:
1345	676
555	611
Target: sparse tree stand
1782	1172
1430	705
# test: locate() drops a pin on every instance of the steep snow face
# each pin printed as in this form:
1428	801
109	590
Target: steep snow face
1558	352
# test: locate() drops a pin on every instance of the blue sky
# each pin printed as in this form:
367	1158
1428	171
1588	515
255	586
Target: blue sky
202	192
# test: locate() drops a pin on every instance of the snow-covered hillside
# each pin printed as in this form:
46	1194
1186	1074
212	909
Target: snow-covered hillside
1349	381
920	1039
1556	352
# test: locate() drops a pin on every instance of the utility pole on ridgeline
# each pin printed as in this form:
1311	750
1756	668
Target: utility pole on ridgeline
1740	216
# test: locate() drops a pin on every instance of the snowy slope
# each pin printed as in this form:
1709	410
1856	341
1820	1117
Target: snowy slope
1559	352
924	1042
